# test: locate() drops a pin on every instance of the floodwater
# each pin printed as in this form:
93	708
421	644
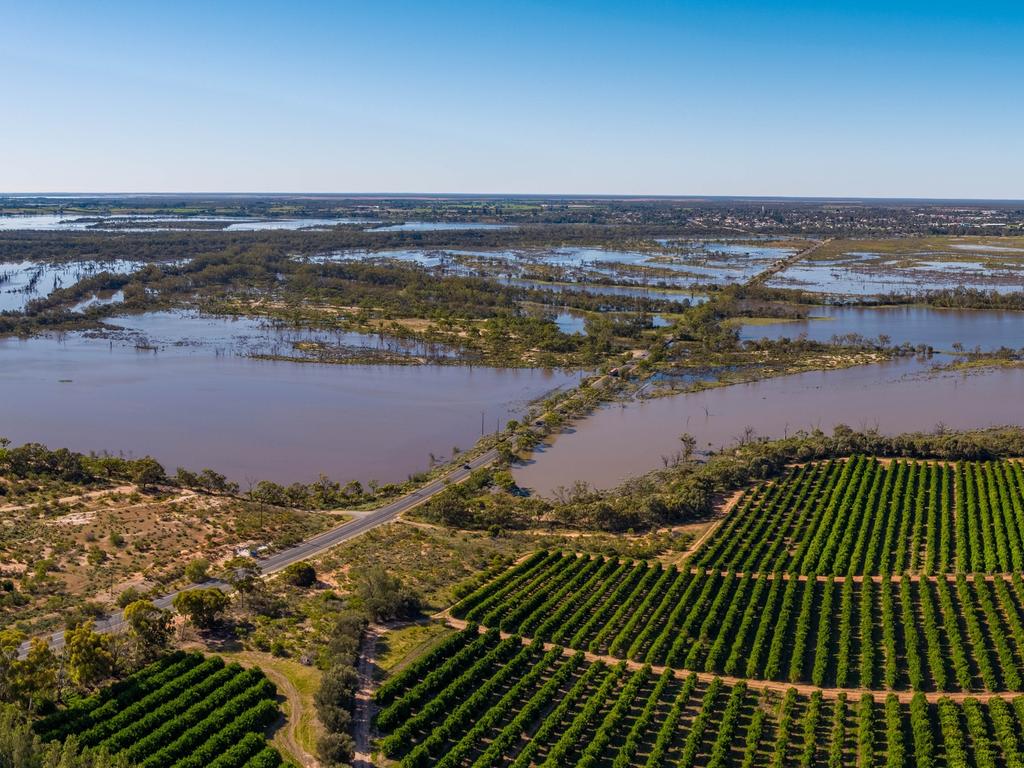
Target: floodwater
618	441
101	299
866	274
638	291
190	405
938	328
571	322
585	265
437	226
21	282
689	266
180	332
452	262
160	222
257	225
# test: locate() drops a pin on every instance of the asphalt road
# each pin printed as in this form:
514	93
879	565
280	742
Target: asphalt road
317	544
784	264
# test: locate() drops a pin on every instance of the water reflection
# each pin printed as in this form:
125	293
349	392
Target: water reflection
938	328
194	405
619	441
21	282
866	274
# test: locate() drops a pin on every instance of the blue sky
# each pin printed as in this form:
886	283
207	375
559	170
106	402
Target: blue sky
689	98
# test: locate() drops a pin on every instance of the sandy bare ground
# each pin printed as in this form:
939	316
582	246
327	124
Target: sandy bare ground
122	489
87	516
365	708
804	689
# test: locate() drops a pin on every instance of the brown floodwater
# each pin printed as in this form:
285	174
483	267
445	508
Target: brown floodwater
197	405
618	441
938	328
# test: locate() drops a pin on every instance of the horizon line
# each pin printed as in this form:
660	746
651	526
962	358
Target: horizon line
521	195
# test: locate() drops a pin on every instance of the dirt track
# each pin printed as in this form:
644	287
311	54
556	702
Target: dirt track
288	735
364	710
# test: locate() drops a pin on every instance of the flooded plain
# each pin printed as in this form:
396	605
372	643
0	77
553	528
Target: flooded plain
598	289
190	397
938	328
156	223
865	274
24	281
665	269
437	226
618	441
182	332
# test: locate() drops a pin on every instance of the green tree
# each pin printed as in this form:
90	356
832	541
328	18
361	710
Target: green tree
149	627
128	597
335	749
300	575
385	596
89	659
10	644
242	573
36	675
148	472
203	607
197	570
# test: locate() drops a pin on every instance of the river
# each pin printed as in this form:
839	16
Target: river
197	402
618	441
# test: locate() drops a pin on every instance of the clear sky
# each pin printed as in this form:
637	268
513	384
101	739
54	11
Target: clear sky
818	98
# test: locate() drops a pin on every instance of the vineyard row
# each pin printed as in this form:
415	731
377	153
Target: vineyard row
480	701
860	516
184	711
960	635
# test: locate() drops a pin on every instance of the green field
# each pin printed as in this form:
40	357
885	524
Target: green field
934	634
483	701
863	517
184	711
851	612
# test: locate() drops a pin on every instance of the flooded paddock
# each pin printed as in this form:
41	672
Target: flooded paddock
938	328
196	401
618	441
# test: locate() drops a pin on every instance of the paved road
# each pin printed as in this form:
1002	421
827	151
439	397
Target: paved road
783	264
317	544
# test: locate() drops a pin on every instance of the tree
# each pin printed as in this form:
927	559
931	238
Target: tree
216	482
203	607
266	492
10	644
30	680
150	628
449	507
242	573
300	575
20	747
36	675
689	445
128	597
148	472
89	659
335	749
336	696
197	570
385	596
